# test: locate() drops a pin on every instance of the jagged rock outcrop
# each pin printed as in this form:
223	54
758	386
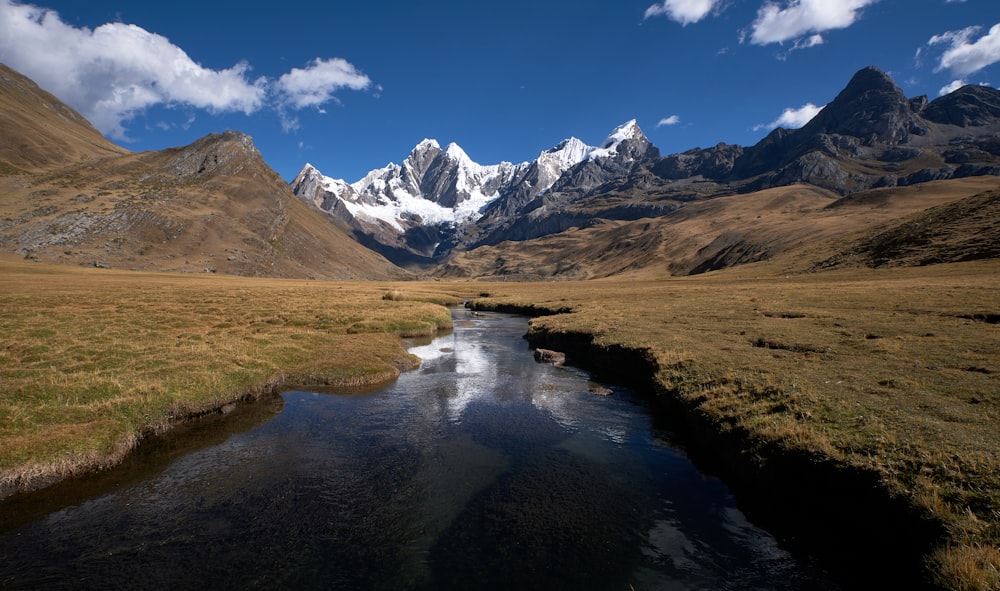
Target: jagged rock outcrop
619	156
872	109
969	106
715	163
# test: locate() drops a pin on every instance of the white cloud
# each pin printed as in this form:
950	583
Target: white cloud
683	11
671	120
117	70
951	87
792	118
777	23
803	43
316	84
810	41
963	55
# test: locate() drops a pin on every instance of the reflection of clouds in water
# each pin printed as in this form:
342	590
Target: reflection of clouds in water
667	541
617	435
734	522
745	554
473	367
431	352
477	374
572	407
557	402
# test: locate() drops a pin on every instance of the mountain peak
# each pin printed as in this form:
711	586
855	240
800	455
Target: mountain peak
870	79
626	131
871	107
217	153
455	152
566	144
626	142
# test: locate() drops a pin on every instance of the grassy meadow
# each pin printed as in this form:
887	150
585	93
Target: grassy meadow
895	371
93	360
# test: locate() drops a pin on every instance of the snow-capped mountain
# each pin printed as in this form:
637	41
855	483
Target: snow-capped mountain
408	211
432	186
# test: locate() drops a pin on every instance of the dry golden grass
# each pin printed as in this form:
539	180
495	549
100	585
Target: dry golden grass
91	361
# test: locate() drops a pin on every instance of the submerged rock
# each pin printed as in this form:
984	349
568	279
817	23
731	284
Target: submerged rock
548	356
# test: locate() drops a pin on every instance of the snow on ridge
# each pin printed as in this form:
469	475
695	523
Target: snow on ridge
567	154
390	194
455	152
626	131
403	204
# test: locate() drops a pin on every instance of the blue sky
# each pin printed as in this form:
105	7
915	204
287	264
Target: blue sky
350	86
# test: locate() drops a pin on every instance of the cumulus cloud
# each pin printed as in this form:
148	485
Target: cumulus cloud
671	120
964	56
777	23
316	84
683	11
117	70
792	118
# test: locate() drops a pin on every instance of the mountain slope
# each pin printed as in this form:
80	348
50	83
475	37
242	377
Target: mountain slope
38	132
212	206
962	230
799	228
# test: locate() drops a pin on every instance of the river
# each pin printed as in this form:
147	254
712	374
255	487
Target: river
480	470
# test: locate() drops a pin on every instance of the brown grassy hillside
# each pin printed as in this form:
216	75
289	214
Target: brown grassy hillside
39	132
796	224
69	196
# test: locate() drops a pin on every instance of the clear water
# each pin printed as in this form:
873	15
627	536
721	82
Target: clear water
481	470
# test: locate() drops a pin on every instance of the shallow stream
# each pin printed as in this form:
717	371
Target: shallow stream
480	470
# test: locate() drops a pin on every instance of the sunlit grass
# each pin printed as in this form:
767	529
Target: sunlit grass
92	361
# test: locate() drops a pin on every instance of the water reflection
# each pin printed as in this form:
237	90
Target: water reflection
481	469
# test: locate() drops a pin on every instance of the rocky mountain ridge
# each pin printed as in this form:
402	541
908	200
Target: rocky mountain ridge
421	209
869	136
